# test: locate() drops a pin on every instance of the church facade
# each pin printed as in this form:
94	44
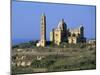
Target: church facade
64	34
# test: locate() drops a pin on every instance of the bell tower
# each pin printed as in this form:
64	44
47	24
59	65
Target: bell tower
43	30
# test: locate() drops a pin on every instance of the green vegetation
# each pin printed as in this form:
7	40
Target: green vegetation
44	63
30	44
74	57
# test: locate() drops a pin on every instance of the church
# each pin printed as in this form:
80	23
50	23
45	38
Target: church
61	34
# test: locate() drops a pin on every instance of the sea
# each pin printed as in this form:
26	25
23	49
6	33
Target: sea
19	41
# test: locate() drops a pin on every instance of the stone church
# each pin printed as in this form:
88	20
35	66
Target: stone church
64	34
61	34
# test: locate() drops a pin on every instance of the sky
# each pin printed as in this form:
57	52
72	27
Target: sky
26	17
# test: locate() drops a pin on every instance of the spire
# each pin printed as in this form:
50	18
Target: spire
61	24
43	30
62	20
43	14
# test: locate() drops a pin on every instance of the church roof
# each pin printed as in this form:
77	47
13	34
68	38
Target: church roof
60	24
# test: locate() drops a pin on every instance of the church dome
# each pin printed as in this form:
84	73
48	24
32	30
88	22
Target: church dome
62	25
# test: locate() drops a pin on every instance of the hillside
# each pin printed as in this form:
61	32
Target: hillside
66	57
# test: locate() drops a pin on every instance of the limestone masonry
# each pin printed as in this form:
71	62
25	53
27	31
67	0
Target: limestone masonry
61	34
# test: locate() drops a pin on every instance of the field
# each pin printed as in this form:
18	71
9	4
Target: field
66	57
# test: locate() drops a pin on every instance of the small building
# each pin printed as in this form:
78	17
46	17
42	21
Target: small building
92	41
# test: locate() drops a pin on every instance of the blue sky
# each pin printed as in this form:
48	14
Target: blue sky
26	18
